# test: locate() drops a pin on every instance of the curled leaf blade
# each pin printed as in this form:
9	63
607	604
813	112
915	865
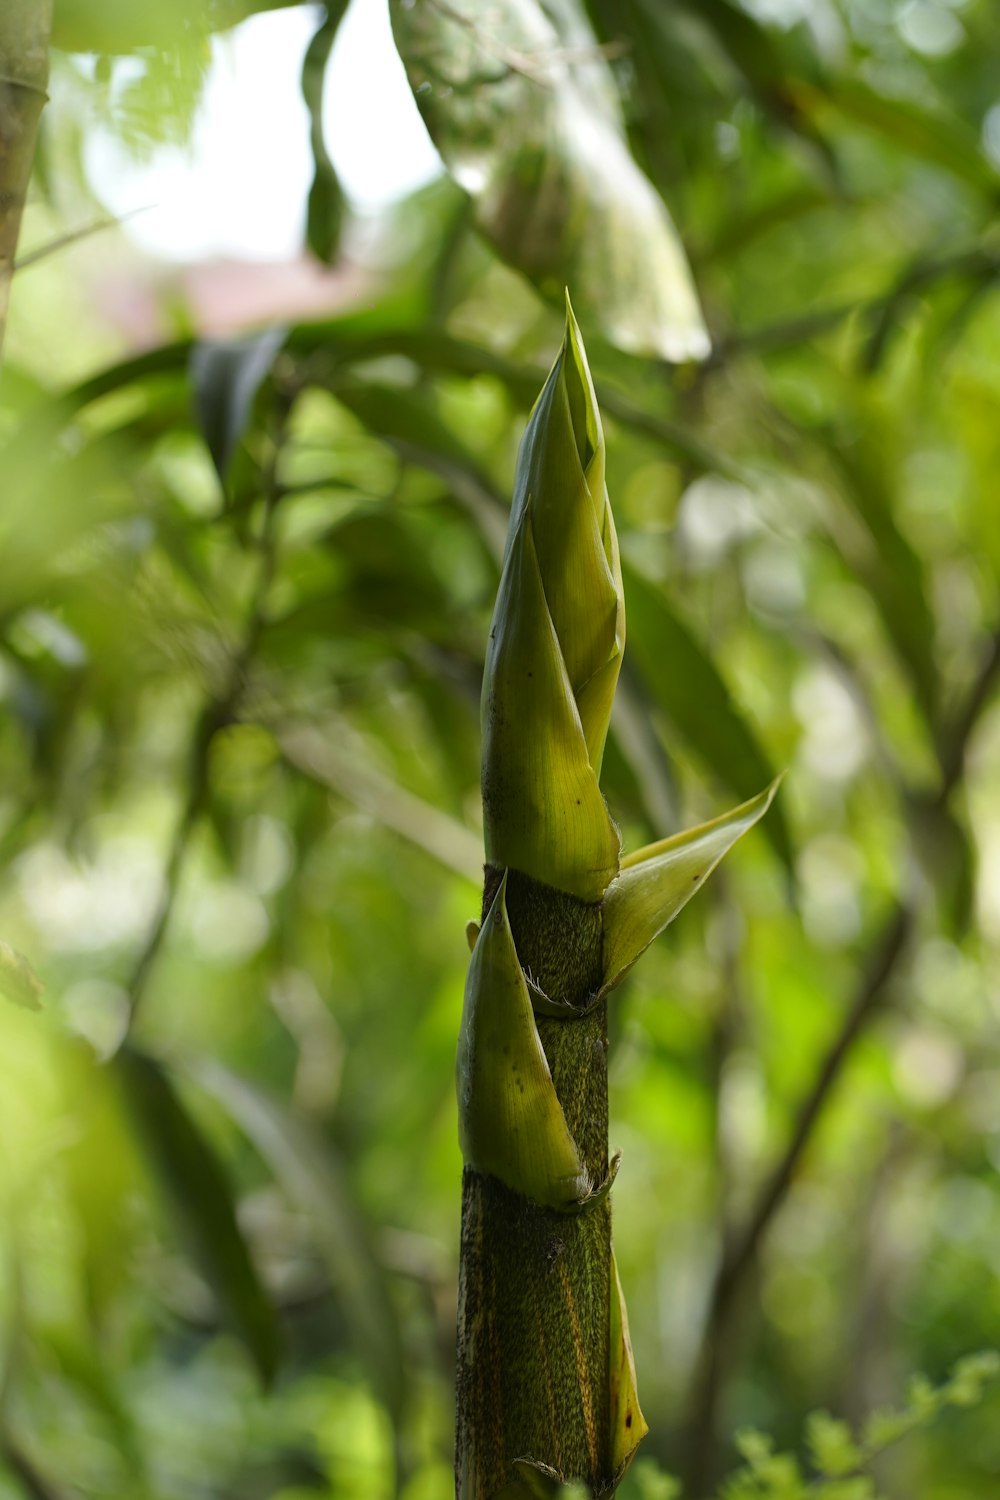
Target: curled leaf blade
527	117
655	883
325	211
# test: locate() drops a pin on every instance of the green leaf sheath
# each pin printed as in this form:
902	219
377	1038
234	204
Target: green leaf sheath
534	1293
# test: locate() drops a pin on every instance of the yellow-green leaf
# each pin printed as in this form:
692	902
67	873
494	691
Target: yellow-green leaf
542	807
628	1425
510	1122
527	117
657	881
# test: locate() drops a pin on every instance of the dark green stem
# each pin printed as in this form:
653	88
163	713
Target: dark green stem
534	1292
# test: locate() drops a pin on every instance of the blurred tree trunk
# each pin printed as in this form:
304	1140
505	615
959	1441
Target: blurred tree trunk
24	71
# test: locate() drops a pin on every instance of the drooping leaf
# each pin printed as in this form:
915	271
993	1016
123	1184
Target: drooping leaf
18	981
686	683
510	1122
226	375
199	1194
308	1170
325	208
525	113
655	883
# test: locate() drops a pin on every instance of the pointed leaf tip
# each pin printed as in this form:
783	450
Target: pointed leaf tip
655	883
511	1124
628	1425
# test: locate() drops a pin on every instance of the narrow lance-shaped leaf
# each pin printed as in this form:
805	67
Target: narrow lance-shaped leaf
199	1194
226	375
656	882
309	1172
525	112
684	680
325	206
510	1122
18	981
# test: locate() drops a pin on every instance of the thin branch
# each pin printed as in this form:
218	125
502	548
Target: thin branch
885	953
216	714
976	261
316	755
72	236
741	1250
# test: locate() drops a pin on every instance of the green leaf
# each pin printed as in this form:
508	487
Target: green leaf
884	1427
685	682
309	1171
510	1122
326	208
525	112
199	1194
889	566
970	1376
754	51
320	756
226	376
938	138
18	981
120	26
655	883
832	1448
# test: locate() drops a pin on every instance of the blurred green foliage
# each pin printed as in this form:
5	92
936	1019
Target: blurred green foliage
239	809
